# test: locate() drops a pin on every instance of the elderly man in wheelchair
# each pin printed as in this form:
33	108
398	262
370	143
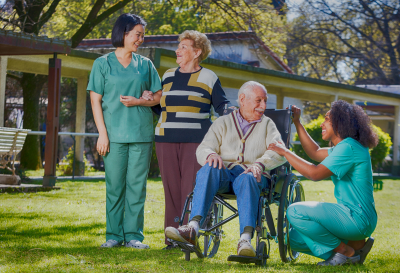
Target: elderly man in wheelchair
235	159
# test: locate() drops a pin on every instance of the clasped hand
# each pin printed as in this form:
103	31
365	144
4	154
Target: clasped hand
129	101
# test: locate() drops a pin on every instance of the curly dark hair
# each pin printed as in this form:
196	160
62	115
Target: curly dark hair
349	120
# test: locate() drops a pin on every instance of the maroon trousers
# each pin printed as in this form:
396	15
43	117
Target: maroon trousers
178	168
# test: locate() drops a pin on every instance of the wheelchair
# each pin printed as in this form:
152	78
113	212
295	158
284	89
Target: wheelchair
284	189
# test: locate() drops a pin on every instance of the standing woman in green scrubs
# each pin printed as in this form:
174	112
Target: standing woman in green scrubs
125	124
335	232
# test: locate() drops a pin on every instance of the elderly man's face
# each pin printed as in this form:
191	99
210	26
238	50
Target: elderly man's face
252	106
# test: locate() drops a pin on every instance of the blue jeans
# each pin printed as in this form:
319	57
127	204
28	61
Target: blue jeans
210	181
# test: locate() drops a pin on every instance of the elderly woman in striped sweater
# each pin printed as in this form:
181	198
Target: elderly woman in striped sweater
189	91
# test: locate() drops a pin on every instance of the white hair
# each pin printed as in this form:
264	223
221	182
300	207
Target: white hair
248	87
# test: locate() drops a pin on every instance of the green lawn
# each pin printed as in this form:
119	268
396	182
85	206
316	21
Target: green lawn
40	172
61	230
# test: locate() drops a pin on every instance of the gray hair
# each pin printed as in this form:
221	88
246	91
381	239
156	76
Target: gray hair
247	87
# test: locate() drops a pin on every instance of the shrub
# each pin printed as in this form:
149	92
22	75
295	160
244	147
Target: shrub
313	128
379	153
66	164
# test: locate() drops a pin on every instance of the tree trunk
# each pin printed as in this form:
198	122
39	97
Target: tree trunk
31	86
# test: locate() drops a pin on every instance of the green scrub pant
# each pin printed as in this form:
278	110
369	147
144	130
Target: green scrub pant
318	228
126	168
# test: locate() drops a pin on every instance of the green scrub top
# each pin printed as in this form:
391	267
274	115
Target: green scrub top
110	79
350	164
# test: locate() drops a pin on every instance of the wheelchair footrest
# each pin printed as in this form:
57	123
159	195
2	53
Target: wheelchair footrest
243	259
190	248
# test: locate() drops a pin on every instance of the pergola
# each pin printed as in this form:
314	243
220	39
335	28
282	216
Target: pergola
19	44
77	64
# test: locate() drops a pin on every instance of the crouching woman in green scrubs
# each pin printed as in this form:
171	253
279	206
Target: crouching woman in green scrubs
125	124
335	232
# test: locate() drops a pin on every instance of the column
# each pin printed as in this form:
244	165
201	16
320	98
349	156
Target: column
279	101
396	142
80	125
52	122
3	78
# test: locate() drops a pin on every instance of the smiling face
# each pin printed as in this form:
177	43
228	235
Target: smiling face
134	38
252	105
186	53
327	129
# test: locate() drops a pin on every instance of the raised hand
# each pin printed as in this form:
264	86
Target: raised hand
296	113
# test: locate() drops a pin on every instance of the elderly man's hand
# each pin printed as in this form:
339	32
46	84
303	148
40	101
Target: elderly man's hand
256	170
216	161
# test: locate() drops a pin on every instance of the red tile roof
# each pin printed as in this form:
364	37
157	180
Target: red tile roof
217	36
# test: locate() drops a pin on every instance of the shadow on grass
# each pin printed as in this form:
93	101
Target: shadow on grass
129	260
16	230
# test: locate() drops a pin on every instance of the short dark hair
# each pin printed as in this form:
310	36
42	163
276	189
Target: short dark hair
349	120
125	23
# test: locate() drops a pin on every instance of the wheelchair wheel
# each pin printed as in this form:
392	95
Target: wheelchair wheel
292	192
212	239
263	251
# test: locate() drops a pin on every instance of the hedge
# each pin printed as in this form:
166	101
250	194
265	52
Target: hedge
313	128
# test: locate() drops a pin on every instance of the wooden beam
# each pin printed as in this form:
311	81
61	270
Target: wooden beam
3	79
52	123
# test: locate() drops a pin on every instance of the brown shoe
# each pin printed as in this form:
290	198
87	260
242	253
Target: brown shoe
245	248
184	234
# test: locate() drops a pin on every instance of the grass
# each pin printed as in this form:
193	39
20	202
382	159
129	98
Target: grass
40	172
60	231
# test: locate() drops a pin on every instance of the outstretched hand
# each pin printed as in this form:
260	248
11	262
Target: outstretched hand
216	161
256	170
278	147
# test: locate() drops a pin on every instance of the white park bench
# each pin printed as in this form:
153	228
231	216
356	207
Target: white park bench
11	142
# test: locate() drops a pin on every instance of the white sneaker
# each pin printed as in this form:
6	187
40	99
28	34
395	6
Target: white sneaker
110	243
245	248
136	244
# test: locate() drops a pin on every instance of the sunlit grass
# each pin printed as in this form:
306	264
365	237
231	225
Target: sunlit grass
60	231
40	172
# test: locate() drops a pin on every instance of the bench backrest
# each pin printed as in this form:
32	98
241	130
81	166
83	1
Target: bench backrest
12	140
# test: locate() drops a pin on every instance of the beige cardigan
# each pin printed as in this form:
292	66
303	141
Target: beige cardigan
226	138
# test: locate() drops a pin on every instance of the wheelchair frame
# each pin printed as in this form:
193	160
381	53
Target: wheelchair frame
284	189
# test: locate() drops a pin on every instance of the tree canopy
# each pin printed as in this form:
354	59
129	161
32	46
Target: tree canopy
349	41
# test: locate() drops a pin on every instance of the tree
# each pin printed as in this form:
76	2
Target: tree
30	16
175	16
94	19
350	41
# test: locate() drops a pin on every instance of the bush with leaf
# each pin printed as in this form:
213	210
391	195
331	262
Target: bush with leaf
379	153
313	128
66	164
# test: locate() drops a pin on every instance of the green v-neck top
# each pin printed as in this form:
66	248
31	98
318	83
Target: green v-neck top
350	164
110	79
